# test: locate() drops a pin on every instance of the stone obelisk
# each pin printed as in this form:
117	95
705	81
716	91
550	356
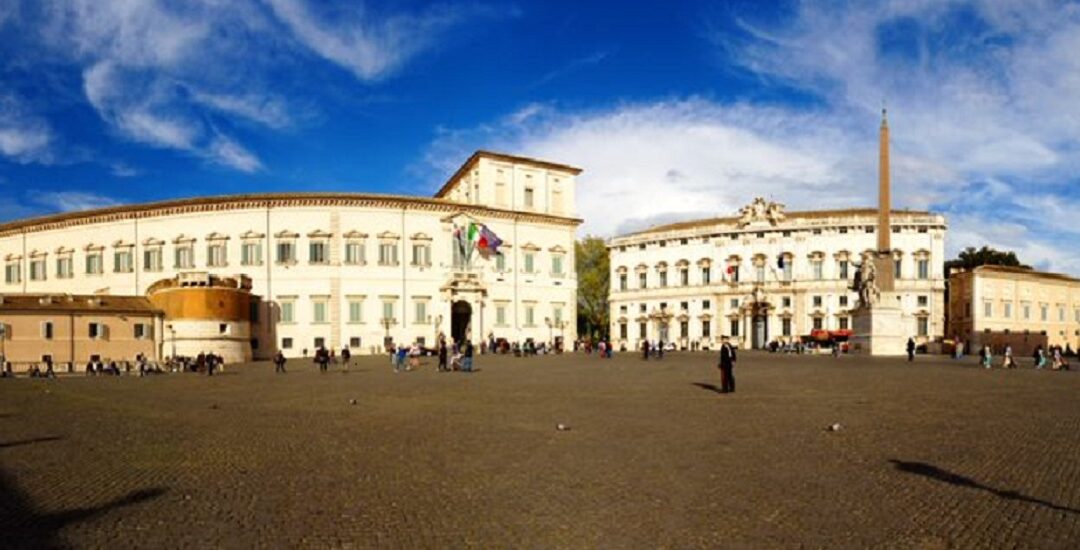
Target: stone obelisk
878	323
884	261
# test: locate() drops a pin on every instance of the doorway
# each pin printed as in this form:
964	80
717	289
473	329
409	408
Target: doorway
460	320
760	331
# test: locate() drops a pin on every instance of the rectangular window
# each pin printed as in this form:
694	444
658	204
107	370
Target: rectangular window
215	255
643	330
734	270
354	253
817	301
319	342
37	270
684	329
924	301
529	197
1044	312
152	259
185	257
684	277
785	326
988	309
354	342
1061	314
788	269
65	267
556	265
556	315
643	280
816	265
318	313
286	343
1006	310
530	260
94	264
843	269
421	255
684	306
760	273
356	311
622	281
843	301
143	331
500	315
286	252
1027	311
317	252
122	261
734	303
819	323
734	327
96	331
288	312
843	323
387	310
663	279
705	305
622	331
706	329
500	262
897	268
530	316
924	326
924	268
420	313
706	275
388	254
47	330
251	253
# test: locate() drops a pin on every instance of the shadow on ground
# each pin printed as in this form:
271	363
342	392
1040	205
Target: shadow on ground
23	526
710	387
938	474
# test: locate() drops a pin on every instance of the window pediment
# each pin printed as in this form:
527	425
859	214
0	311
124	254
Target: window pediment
153	242
94	247
38	253
388	236
421	236
122	244
319	234
530	246
215	236
184	239
558	249
251	234
355	235
286	234
65	250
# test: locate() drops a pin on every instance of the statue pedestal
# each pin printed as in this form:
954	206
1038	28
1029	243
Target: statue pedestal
880	329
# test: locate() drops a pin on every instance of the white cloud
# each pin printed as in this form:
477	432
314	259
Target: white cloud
66	201
23	136
370	47
227	152
269	111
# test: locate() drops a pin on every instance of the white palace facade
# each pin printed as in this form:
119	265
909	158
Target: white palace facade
335	269
693	282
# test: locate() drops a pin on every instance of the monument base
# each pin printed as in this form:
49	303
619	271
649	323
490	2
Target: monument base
880	329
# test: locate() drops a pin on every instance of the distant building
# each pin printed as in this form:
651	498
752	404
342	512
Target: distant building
769	275
74	329
996	304
336	269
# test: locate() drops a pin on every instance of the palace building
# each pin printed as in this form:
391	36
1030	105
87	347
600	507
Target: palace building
998	305
768	275
490	255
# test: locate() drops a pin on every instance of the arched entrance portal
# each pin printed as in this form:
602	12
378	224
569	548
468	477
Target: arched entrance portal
759	335
460	318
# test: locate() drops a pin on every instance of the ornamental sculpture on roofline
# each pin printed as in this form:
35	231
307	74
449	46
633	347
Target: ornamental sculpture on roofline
761	211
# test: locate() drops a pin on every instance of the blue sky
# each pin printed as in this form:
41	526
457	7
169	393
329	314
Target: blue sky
675	109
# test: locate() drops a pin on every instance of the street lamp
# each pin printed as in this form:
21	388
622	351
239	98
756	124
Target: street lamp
387	322
547	321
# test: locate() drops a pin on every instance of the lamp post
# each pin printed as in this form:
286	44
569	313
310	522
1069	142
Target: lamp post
387	322
547	321
172	332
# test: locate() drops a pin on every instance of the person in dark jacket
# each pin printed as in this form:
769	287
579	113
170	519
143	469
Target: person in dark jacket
443	351
279	362
727	366
910	349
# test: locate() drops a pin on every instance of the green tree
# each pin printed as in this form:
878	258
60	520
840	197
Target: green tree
971	258
594	274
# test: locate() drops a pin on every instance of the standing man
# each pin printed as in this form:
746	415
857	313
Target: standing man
443	367
645	350
727	366
466	362
346	355
910	349
279	362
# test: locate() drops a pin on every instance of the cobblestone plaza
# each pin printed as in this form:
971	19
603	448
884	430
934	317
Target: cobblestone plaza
931	454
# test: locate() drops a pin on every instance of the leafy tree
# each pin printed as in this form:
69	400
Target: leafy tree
594	274
971	258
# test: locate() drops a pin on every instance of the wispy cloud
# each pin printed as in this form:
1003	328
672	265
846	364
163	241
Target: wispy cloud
572	67
66	201
24	137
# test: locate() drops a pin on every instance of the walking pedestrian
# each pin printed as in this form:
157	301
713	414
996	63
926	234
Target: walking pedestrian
1040	357
346	355
1008	362
645	350
727	366
443	367
910	349
987	356
466	361
279	362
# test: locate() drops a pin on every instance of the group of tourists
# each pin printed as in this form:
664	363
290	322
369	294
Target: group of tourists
1053	356
652	349
604	349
